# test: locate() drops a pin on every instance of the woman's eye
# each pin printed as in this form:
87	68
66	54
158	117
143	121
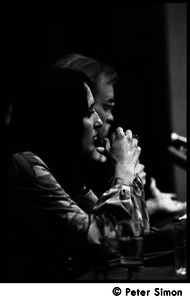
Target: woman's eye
91	112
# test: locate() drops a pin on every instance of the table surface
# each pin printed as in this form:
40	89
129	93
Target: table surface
158	267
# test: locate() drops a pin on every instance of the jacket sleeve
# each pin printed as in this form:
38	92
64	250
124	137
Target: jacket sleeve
39	197
123	201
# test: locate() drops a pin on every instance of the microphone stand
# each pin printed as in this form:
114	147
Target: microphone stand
178	156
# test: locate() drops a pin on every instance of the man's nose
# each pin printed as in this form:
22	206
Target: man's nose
110	118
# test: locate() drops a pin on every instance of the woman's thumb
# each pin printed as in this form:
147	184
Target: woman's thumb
101	150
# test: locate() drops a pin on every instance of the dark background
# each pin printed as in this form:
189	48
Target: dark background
129	37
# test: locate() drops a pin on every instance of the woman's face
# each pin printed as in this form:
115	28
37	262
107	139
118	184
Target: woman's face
91	122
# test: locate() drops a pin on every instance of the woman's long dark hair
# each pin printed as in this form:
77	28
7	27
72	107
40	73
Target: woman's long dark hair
47	119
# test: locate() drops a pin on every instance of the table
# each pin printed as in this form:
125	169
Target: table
158	267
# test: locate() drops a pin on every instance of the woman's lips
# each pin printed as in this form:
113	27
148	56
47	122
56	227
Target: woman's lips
95	136
95	141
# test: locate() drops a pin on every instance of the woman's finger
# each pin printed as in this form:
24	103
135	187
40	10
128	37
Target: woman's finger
119	131
129	133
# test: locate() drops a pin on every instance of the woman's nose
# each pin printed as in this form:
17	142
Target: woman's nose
98	122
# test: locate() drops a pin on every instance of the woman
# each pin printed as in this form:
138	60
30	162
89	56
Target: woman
54	222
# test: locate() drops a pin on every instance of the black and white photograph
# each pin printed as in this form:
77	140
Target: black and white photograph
95	147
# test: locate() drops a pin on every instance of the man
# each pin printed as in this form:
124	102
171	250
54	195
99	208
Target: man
104	78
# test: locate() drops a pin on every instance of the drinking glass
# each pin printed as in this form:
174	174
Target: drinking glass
179	235
130	243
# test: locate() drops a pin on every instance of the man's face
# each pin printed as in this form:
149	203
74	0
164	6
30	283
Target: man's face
104	103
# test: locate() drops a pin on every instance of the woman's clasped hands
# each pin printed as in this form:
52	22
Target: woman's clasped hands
124	152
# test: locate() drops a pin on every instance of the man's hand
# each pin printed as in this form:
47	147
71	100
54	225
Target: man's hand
165	202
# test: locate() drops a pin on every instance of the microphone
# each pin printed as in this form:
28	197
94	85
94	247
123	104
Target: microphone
178	149
178	140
